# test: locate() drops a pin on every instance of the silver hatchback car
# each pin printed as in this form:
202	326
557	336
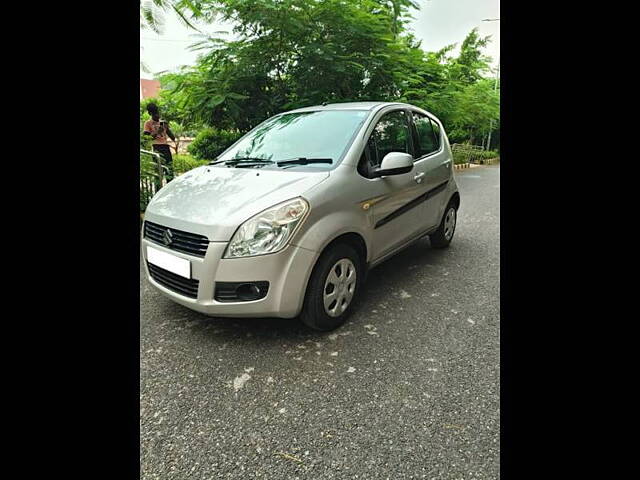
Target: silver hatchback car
289	219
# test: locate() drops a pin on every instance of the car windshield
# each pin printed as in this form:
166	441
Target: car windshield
309	135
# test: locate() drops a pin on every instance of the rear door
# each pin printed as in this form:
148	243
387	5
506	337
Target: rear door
432	160
396	199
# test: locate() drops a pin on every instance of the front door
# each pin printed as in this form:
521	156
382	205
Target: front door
396	200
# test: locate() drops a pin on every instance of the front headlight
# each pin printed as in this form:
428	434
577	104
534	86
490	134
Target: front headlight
269	231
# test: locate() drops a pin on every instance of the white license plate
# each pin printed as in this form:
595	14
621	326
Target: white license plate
169	262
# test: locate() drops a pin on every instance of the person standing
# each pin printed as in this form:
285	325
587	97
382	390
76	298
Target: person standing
159	130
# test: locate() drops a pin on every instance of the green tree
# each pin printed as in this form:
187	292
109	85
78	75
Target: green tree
476	105
152	13
152	16
471	63
294	53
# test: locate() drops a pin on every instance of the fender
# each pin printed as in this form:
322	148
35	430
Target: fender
323	229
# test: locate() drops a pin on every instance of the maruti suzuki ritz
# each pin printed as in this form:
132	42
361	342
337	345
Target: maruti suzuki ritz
288	220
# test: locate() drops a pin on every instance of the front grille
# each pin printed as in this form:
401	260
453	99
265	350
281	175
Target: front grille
181	285
185	242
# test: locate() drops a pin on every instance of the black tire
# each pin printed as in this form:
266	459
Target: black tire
438	238
313	312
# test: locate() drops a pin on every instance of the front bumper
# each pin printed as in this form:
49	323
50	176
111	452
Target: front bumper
286	271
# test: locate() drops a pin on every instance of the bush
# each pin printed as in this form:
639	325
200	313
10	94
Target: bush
487	154
145	140
184	163
460	156
463	156
211	142
148	179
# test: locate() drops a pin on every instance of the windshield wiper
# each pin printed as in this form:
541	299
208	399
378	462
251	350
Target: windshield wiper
235	161
304	161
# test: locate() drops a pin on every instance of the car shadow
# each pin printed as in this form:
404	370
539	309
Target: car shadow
403	271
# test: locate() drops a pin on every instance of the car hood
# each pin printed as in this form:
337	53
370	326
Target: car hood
214	201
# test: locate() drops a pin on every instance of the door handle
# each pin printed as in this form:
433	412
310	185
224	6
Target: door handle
418	177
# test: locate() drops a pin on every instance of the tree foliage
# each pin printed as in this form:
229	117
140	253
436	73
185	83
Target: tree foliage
294	53
152	13
474	105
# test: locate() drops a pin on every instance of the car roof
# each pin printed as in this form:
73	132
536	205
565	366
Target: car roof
347	106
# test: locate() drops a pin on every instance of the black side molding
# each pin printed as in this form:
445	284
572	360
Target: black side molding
413	203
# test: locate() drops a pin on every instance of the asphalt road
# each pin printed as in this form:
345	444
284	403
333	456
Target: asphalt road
408	388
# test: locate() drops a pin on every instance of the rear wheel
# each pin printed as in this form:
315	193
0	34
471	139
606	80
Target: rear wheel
442	237
332	289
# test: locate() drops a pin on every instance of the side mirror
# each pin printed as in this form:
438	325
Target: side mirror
394	163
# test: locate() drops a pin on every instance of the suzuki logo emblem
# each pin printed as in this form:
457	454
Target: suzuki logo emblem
167	237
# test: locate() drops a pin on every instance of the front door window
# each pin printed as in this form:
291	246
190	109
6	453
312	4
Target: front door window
391	134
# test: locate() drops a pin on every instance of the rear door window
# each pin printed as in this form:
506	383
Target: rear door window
428	140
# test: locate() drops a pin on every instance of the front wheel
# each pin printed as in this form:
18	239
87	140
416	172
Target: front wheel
442	237
332	288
